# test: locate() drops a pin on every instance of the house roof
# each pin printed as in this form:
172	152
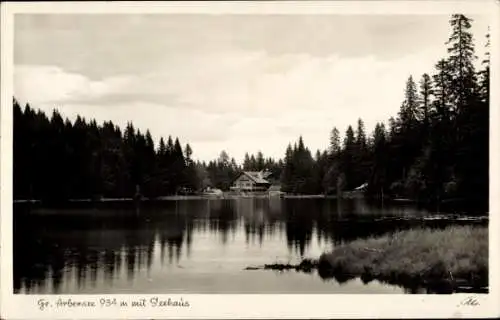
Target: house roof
266	174
362	187
257	176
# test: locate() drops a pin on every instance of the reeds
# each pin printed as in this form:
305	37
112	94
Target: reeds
455	256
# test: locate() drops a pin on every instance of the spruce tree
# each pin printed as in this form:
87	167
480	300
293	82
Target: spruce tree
484	75
426	92
461	61
246	162
409	112
334	141
347	162
260	161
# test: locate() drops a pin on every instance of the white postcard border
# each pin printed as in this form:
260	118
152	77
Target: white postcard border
248	306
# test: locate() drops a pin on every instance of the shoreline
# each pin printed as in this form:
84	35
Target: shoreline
228	195
186	197
448	259
451	260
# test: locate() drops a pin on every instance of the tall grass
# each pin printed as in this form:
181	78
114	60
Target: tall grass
457	254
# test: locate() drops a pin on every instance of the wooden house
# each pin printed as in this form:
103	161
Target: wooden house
251	181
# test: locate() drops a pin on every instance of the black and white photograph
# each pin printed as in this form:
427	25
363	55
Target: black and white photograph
292	153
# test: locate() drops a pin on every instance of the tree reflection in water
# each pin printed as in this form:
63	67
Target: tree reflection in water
118	241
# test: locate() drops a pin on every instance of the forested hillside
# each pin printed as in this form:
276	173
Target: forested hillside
436	147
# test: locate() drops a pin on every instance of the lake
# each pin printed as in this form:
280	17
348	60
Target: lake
197	246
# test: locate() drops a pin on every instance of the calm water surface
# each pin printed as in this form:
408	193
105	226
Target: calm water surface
192	246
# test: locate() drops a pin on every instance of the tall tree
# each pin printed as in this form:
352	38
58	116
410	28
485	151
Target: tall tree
426	92
409	112
246	162
484	75
378	178
334	141
347	163
286	175
260	161
361	135
461	60
361	156
223	158
191	173
442	82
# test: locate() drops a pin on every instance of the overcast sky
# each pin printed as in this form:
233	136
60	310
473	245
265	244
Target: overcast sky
238	83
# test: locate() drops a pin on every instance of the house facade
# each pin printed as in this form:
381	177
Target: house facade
251	181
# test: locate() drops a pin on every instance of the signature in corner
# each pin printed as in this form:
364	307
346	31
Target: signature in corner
469	301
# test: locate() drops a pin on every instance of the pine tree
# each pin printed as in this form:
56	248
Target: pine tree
426	92
260	161
253	163
409	112
484	75
191	176
361	135
178	166
378	177
361	162
162	148
349	140
393	128
21	154
286	176
223	159
461	60
334	141
246	162
347	163
441	108
188	152
149	163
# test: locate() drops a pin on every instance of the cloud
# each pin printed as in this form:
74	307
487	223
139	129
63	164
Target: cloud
234	82
101	46
52	84
225	98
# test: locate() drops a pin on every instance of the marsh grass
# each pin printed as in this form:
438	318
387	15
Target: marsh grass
453	257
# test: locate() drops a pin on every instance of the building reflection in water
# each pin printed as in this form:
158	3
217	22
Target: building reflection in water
116	242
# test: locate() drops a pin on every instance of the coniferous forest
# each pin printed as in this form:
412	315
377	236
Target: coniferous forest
435	148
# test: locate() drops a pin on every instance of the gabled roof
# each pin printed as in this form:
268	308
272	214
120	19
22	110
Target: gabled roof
362	187
256	176
266	174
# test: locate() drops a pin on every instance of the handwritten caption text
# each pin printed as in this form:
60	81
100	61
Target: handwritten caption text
69	303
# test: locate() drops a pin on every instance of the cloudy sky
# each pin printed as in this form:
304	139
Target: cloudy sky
238	83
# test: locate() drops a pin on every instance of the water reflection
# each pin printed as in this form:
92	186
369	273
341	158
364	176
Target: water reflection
114	244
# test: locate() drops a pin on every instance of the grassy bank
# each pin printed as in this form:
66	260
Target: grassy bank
456	256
